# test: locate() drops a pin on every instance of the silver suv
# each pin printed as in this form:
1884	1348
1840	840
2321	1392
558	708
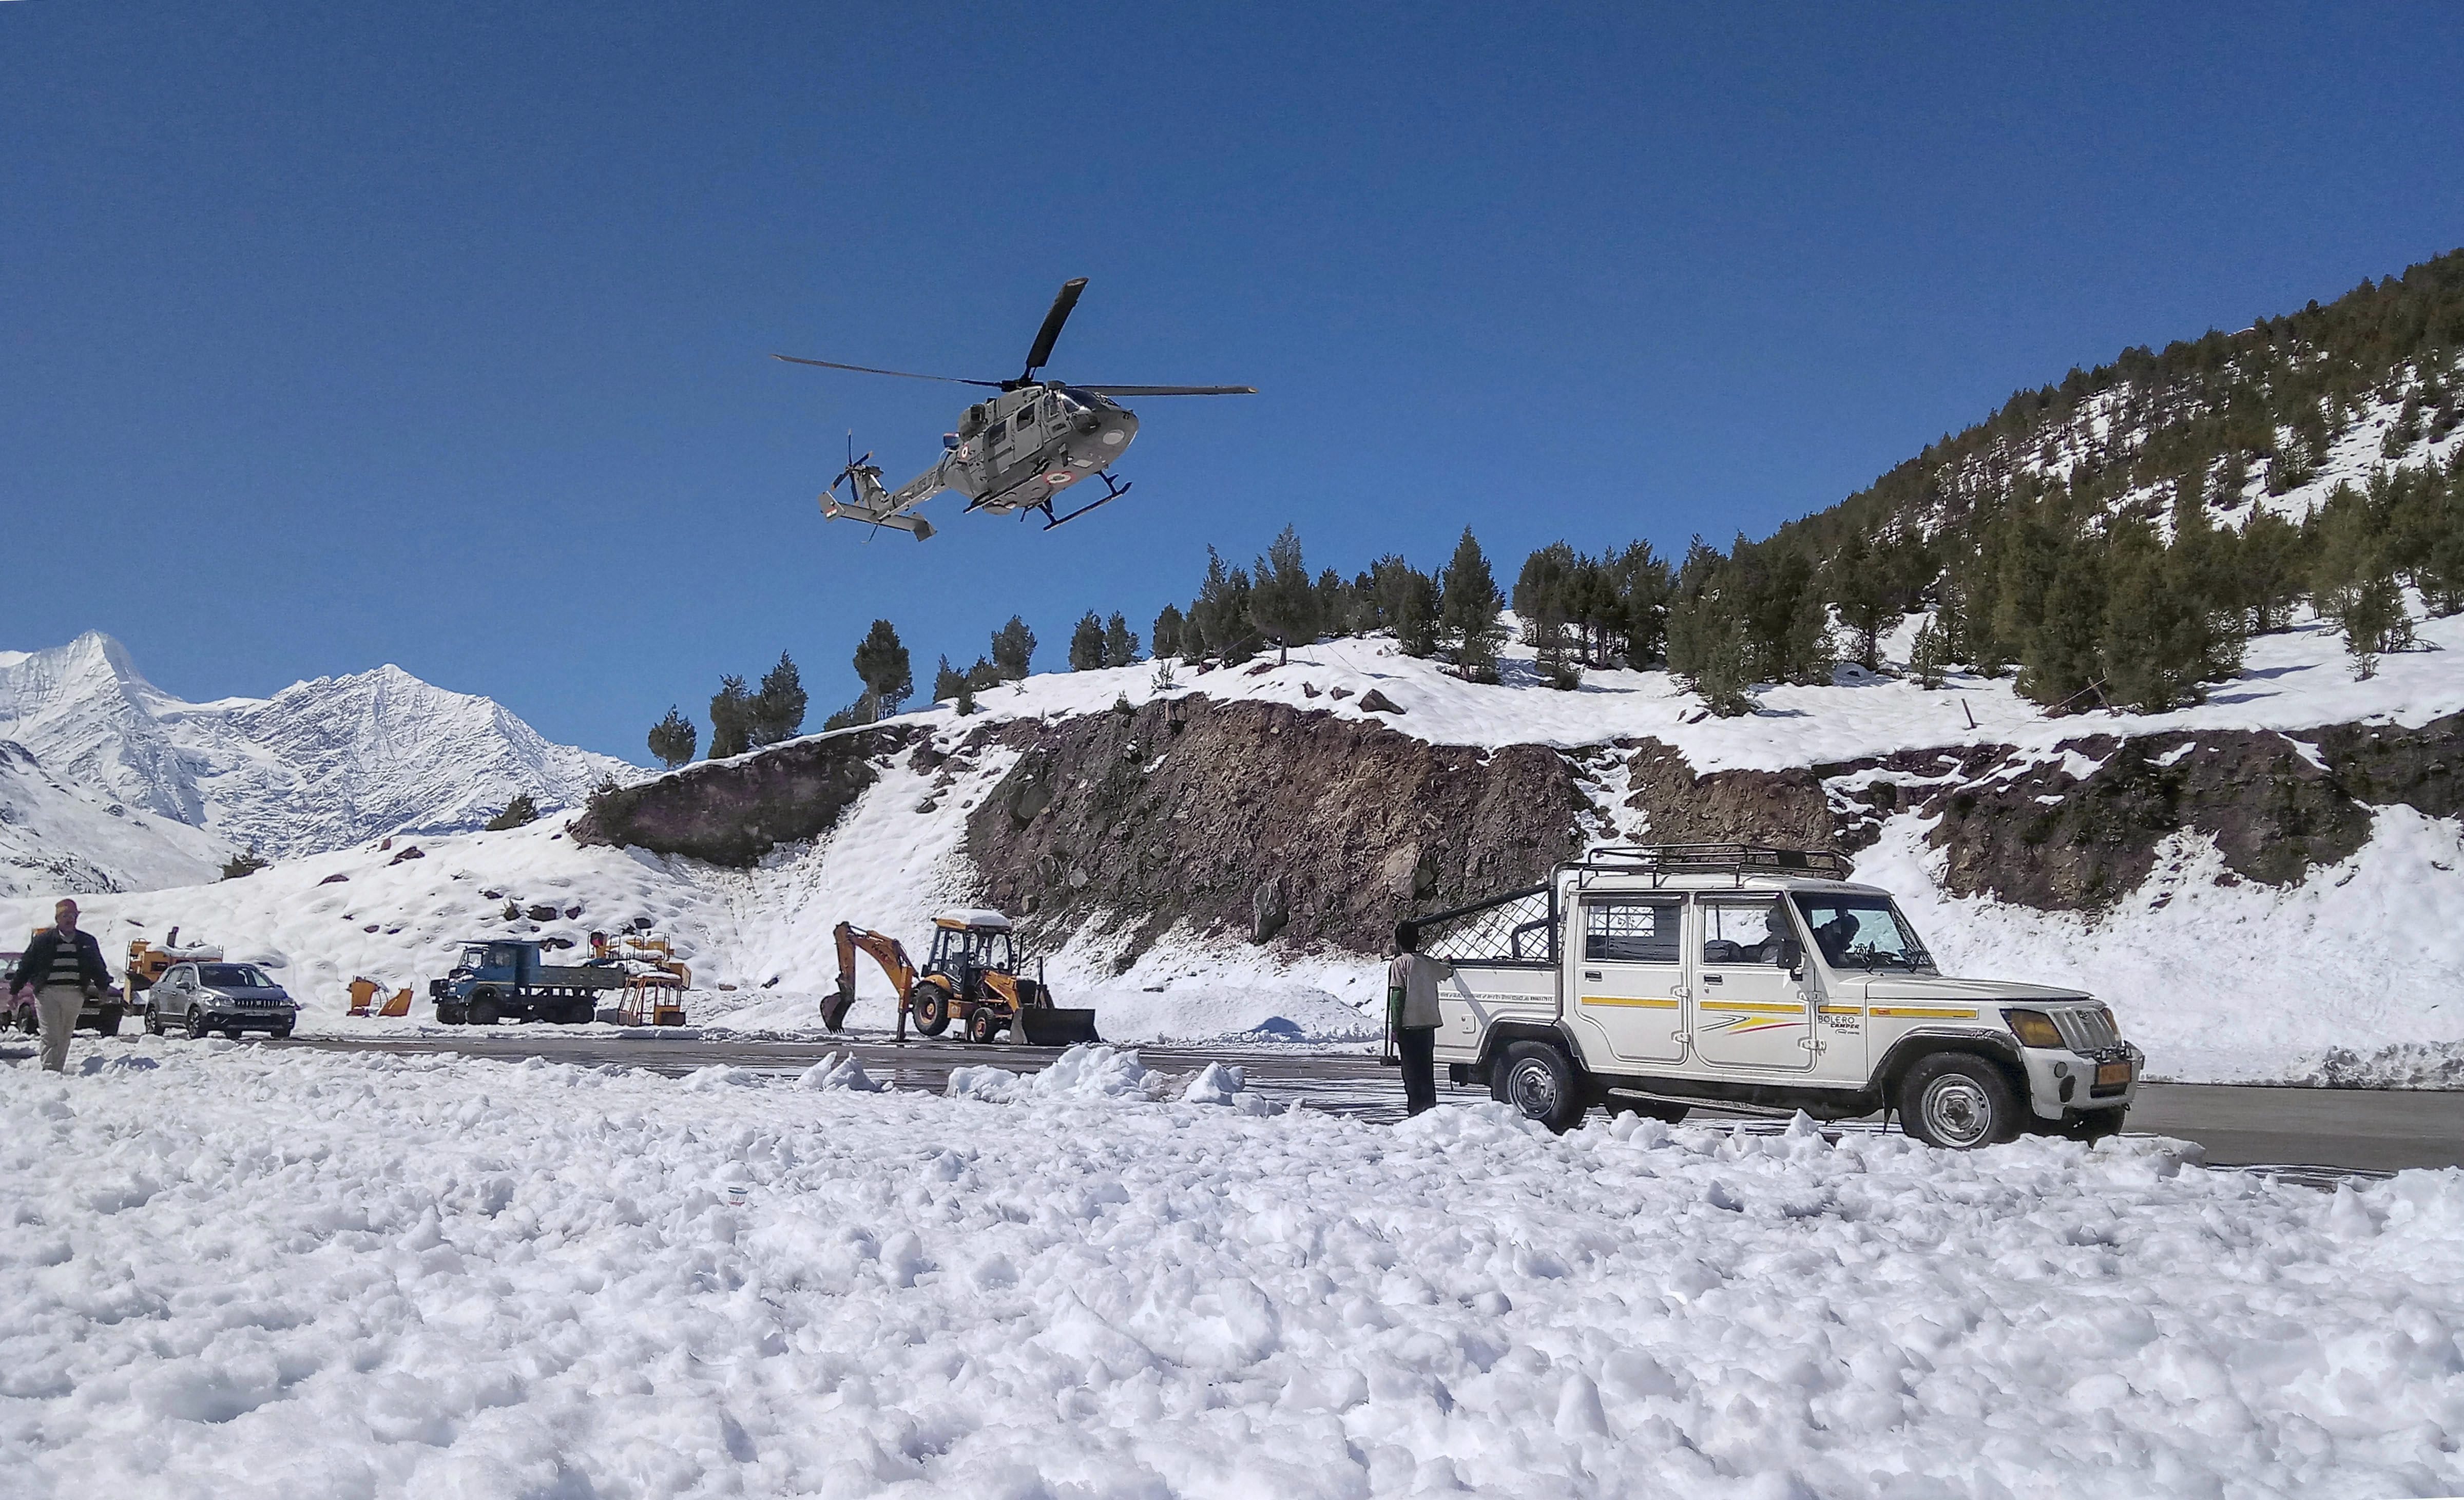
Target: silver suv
228	998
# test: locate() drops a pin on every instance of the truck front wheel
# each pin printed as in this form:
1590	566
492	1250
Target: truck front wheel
1959	1102
483	1007
1539	1081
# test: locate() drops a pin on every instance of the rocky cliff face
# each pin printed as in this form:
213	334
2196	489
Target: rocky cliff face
2079	827
1260	821
733	812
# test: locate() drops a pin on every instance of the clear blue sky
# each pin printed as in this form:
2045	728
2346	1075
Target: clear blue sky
335	335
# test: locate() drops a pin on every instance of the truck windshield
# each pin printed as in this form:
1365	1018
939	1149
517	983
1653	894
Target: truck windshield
1862	932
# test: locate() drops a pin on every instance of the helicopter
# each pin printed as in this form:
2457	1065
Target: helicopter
1013	452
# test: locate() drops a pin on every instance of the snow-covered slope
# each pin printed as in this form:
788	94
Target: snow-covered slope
316	766
56	838
2216	978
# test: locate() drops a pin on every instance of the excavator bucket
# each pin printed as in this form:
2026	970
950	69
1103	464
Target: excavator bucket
834	1008
1049	1026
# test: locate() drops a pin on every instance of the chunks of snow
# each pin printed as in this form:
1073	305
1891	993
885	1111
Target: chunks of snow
255	1273
839	1071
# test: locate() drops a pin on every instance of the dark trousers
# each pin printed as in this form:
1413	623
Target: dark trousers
1419	1046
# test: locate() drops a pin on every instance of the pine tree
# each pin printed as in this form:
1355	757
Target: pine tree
1086	644
674	739
1724	677
2268	571
1337	607
778	708
1643	588
1167	634
1404	600
518	811
881	663
2152	655
1120	643
1929	654
1857	580
2059	662
1543	590
947	682
1468	606
730	718
1283	600
1221	613
1013	650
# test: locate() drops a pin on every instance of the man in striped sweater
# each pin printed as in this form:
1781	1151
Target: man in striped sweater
60	969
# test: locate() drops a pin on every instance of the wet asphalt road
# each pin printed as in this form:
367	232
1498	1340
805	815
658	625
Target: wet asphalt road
2342	1130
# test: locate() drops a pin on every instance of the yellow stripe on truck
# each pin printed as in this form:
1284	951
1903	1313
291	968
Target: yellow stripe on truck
1629	1003
1921	1012
1753	1008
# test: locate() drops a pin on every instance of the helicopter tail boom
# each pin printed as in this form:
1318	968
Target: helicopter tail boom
868	502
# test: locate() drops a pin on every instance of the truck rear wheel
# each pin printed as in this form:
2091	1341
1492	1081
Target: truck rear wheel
1539	1081
1958	1102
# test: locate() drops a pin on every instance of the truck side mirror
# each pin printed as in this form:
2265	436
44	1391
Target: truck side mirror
1792	954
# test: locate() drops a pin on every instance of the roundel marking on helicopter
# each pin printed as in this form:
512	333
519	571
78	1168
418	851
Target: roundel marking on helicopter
1058	478
966	450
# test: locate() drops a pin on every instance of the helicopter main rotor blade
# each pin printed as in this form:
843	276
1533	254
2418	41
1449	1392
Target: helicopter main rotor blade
1169	391
866	370
1042	352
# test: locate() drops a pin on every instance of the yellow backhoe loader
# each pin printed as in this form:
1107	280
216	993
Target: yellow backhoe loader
971	977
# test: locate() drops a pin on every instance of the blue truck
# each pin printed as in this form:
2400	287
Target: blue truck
508	978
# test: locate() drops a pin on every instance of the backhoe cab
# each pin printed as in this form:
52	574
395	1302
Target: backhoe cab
970	976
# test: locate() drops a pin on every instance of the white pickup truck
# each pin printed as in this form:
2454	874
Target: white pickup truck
1650	979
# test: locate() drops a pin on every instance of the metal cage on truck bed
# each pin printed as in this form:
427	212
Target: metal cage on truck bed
1516	930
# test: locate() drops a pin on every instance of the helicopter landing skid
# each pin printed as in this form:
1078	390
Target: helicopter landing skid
1112	491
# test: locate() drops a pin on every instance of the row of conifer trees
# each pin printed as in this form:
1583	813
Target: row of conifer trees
2089	609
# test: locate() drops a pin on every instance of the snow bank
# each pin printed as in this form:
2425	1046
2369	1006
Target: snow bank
2237	980
237	1273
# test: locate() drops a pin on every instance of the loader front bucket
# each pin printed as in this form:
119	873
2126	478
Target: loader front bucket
1046	1025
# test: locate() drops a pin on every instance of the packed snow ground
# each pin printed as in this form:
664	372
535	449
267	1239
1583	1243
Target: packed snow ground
241	1273
2224	983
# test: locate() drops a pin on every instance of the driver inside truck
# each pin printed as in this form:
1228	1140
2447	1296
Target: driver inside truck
1835	935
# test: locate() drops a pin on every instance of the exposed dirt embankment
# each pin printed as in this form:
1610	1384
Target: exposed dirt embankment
733	812
2077	826
1259	819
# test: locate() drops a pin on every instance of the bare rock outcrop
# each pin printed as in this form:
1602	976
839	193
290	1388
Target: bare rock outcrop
733	812
1261	820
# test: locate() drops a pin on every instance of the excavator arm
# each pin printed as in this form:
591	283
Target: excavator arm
887	951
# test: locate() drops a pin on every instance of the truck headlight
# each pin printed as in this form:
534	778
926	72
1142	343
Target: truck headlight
2034	1028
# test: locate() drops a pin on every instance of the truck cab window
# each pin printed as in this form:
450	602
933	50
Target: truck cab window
1745	930
1632	932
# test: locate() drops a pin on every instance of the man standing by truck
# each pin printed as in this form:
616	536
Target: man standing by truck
1412	1011
60	968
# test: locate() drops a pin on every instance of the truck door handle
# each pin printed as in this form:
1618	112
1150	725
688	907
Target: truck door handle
1594	974
1714	979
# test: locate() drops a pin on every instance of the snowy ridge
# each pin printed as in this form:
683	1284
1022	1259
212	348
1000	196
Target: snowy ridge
318	766
55	838
2110	427
246	1272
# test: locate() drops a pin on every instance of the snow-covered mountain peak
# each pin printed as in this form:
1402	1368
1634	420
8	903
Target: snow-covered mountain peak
320	764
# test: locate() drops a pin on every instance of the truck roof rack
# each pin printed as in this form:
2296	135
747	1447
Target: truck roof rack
1717	859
